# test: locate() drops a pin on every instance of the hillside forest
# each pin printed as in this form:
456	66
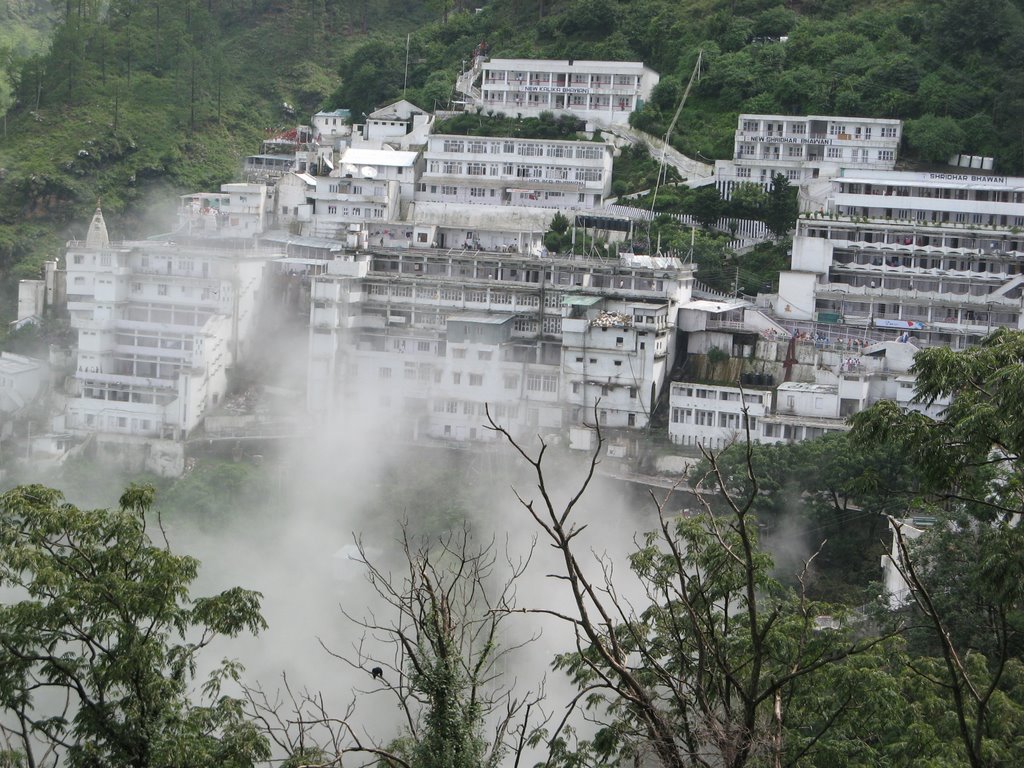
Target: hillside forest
131	103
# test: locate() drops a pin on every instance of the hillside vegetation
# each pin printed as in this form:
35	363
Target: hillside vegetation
135	99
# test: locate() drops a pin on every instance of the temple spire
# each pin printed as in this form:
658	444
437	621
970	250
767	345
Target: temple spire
97	237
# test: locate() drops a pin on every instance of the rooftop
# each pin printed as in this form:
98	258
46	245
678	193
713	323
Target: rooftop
971	179
829	118
384	157
12	364
582	64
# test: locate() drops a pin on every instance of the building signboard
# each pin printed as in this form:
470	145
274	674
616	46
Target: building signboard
572	89
905	325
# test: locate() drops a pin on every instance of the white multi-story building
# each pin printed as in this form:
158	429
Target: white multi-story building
433	336
159	324
933	255
333	129
714	416
602	92
482	170
831	379
237	211
616	355
806	148
401	125
360	197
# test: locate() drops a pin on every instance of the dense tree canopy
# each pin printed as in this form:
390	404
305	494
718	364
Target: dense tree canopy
103	617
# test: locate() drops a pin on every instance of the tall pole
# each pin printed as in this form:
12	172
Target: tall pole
405	82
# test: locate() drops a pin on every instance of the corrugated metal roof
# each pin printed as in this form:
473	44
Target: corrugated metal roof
581	301
487	318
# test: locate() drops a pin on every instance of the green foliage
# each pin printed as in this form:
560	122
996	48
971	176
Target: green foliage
714	644
966	572
974	451
106	617
831	490
544	126
934	139
717	356
213	488
636	168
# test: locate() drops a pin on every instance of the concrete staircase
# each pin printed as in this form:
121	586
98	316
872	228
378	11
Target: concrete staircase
688	168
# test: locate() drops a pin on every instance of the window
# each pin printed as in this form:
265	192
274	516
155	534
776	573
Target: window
161	289
511	381
536	382
476	379
834	152
457	377
383	373
886	154
484	355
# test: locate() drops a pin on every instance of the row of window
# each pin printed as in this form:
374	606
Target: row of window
580	151
473	408
581	101
721	395
559	78
551	300
702	418
941	193
798	152
606	389
121	423
369	213
509	170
